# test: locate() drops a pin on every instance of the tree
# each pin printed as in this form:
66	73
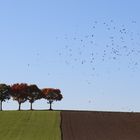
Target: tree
4	94
51	95
19	92
33	94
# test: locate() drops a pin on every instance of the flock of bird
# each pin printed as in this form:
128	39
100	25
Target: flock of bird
103	44
106	42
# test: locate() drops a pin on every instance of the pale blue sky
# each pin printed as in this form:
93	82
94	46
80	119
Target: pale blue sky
51	43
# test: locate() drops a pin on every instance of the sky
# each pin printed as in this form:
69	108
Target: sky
89	49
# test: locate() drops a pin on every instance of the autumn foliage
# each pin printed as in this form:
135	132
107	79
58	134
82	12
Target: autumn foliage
22	92
51	95
19	93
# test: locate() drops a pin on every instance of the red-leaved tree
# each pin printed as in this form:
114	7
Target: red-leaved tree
19	92
51	95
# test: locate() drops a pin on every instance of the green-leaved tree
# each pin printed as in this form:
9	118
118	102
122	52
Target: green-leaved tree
33	94
4	94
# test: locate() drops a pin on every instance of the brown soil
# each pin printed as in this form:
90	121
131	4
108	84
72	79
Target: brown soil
78	125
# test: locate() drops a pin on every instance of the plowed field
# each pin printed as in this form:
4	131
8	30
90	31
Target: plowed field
100	126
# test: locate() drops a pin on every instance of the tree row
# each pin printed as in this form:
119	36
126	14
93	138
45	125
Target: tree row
22	92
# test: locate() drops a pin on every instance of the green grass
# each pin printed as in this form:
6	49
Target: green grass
30	125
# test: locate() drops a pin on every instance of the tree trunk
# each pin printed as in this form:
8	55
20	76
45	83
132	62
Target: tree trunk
31	106
0	105
19	106
50	102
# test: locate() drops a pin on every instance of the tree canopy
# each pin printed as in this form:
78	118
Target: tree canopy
19	92
22	92
34	93
4	93
51	95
